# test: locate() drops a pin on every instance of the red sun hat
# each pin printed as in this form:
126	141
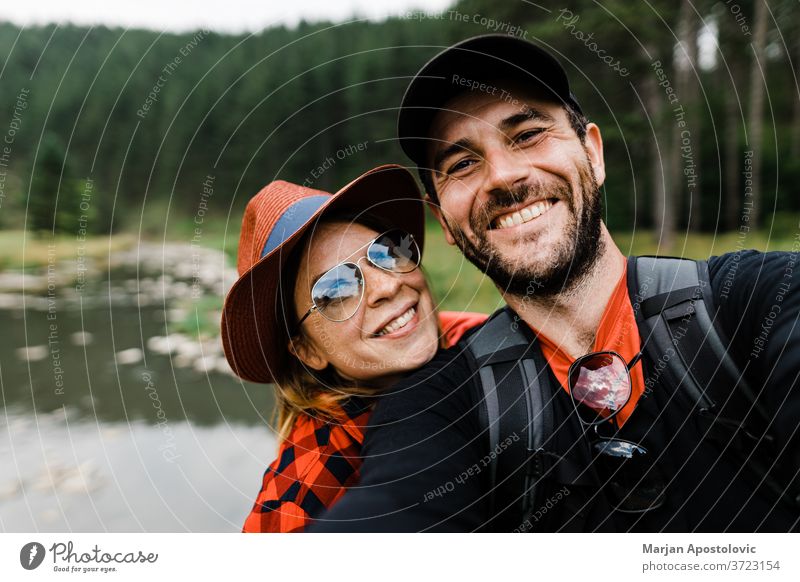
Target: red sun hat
254	333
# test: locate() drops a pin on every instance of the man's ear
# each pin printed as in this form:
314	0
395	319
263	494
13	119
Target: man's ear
437	212
307	353
594	147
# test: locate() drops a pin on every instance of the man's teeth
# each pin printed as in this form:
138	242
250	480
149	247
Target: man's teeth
526	214
396	324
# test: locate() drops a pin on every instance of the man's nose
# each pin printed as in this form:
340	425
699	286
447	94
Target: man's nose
505	170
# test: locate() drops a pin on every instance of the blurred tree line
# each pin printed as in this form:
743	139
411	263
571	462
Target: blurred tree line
697	101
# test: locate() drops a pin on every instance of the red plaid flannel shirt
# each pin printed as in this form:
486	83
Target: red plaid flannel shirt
320	459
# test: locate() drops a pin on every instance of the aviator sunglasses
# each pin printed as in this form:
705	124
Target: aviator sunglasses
600	386
337	293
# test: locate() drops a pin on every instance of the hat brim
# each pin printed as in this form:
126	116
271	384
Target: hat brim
253	330
475	60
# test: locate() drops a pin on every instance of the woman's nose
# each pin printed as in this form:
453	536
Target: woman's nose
380	285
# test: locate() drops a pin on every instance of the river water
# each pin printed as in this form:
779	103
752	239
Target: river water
115	415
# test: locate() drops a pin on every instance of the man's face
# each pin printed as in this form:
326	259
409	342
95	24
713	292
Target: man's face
518	191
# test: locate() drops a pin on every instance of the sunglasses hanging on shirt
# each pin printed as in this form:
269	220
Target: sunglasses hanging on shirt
600	386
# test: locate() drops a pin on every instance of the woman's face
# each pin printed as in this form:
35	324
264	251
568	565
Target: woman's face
372	345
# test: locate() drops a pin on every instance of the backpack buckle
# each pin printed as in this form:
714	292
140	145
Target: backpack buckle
534	471
535	463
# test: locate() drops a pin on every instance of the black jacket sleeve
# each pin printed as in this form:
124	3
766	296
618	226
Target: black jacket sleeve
758	295
421	451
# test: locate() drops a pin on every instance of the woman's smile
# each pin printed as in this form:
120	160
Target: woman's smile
398	326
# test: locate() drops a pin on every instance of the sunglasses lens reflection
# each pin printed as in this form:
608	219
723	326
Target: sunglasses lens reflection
337	294
395	251
600	385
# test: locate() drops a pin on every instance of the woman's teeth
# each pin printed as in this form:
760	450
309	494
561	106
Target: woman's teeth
525	215
396	324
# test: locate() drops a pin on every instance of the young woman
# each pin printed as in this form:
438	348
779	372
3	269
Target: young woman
332	308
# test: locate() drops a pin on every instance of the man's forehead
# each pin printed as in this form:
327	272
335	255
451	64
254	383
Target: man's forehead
487	108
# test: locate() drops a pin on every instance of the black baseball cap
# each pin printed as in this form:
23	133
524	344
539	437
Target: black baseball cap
465	66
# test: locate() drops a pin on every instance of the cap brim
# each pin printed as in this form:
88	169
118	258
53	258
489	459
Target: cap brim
476	60
253	332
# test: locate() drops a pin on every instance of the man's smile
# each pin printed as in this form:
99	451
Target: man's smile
525	214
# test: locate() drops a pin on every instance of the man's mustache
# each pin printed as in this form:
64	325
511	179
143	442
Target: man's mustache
519	195
515	196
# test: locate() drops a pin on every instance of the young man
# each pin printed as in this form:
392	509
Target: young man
514	170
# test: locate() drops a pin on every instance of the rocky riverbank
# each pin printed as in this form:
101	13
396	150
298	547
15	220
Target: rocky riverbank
186	282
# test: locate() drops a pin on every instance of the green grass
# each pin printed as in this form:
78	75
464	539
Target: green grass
704	245
456	284
24	250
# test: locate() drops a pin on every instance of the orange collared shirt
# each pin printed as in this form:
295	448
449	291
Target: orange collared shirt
618	332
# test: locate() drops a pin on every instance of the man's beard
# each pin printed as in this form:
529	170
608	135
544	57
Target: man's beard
576	252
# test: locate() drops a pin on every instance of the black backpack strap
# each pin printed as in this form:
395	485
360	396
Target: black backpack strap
666	296
517	413
676	313
673	305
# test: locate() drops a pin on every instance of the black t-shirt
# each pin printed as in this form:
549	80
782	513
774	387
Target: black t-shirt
424	454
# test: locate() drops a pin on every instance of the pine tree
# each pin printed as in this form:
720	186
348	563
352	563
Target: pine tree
45	183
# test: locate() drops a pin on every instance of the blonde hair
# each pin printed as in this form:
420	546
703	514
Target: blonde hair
302	391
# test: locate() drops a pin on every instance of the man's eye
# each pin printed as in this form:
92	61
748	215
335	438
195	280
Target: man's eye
460	165
527	136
